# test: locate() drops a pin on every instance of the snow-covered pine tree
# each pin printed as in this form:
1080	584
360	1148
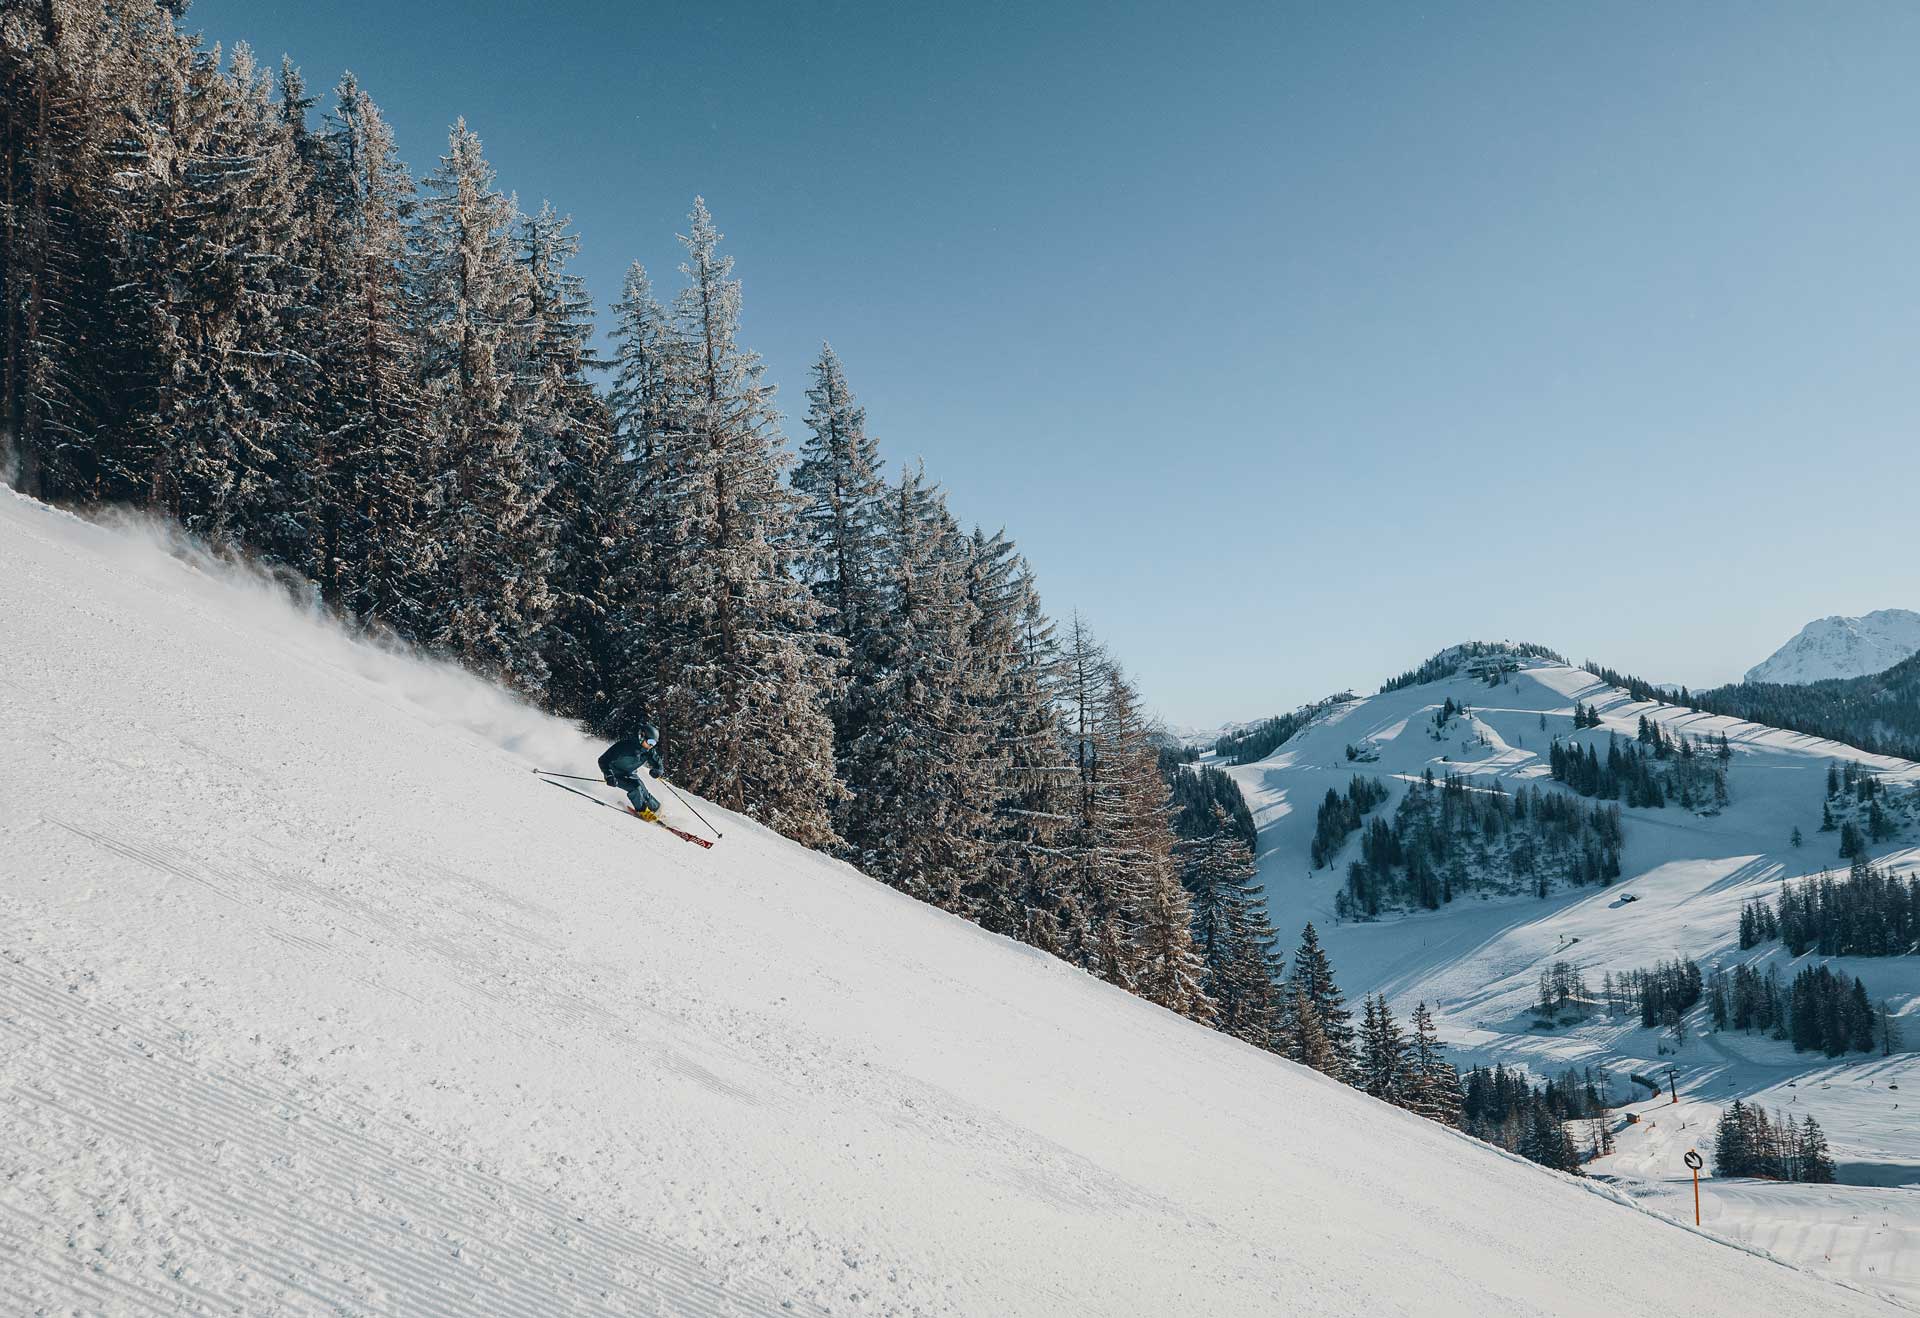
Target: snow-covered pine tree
1434	1086
649	402
919	788
372	467
840	522
1383	1069
1326	1015
569	425
491	525
1230	929
229	419
844	519
743	673
88	97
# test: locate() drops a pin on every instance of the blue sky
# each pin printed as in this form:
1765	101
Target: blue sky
1291	342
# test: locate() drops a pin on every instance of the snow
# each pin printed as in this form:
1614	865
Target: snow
313	1000
1843	647
1477	962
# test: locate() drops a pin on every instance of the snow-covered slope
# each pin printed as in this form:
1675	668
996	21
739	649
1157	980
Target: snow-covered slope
314	1000
1685	876
1843	647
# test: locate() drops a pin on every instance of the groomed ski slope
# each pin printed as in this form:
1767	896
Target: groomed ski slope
313	1000
1477	961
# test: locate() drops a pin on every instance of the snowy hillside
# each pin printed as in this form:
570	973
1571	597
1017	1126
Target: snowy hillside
1684	876
314	1000
1843	647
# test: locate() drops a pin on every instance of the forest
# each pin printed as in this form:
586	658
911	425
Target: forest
231	306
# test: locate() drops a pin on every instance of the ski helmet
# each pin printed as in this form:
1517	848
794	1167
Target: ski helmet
648	734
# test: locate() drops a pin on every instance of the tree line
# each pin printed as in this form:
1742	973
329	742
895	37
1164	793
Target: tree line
1823	1010
1340	814
1746	1142
1879	712
1870	912
1267	736
1450	661
1682	770
1504	1107
1448	838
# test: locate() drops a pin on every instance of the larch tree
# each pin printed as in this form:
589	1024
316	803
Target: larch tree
919	787
1014	666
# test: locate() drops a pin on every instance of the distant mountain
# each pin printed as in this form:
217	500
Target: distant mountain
1843	647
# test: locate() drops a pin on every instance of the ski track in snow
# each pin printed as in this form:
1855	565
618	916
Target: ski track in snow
1477	961
312	1001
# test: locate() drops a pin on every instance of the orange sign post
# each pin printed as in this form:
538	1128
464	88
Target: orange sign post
1694	1163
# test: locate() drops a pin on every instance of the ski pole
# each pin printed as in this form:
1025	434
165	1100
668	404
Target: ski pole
574	776
683	801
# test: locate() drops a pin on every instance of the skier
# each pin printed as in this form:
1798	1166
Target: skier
620	766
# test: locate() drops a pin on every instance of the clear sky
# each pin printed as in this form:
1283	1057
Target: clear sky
1291	342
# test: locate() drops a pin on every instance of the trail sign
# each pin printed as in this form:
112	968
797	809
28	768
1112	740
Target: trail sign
1694	1163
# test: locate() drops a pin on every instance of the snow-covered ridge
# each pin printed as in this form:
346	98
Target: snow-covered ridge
1685	876
1843	647
313	1000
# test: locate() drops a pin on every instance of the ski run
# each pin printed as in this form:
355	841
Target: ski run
313	1003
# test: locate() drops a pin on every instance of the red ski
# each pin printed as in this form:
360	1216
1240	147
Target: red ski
631	813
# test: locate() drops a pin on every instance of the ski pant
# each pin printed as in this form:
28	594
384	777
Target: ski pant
637	792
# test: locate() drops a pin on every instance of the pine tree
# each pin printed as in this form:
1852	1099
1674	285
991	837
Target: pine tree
492	603
649	404
223	231
839	472
1816	1163
1434	1090
1382	1070
1326	1017
1232	935
742	673
1014	662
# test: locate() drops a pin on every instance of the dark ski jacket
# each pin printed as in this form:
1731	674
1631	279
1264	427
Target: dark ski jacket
624	758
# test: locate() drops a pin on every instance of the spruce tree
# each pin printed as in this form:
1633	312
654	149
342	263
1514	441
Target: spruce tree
1816	1163
372	465
742	674
1326	1014
1231	933
649	404
1434	1091
1382	1067
492	528
228	417
570	431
